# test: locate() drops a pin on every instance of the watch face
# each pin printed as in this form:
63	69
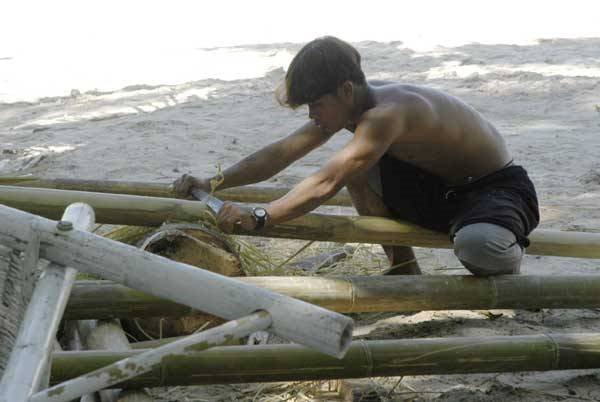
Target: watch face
260	212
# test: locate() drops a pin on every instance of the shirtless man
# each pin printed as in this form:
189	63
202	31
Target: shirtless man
417	154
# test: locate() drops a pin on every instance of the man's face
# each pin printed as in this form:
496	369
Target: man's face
329	112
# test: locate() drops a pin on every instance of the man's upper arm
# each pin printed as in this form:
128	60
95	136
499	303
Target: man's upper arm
373	137
371	140
300	142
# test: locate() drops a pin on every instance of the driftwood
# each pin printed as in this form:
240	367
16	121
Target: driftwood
364	294
150	211
241	364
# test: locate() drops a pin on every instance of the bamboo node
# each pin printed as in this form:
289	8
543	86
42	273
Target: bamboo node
368	358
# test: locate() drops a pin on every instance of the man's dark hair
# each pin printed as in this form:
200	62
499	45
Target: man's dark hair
319	68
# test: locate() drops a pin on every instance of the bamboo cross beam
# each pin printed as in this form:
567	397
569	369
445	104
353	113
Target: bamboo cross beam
359	294
151	211
284	362
215	294
250	194
29	361
135	365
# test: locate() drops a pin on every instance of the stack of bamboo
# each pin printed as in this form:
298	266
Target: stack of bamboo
139	204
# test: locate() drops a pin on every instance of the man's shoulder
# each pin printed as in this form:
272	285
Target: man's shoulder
404	107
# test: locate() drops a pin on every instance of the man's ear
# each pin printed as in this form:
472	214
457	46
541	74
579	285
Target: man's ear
348	89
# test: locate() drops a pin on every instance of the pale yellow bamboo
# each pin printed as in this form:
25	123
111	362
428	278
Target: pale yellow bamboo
151	211
252	194
102	299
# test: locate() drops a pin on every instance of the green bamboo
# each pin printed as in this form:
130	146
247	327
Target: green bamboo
241	364
151	211
104	299
253	194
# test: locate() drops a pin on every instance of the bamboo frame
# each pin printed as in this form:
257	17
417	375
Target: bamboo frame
295	320
27	368
133	366
265	363
150	211
103	299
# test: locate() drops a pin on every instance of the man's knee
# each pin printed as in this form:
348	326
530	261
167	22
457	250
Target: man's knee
486	249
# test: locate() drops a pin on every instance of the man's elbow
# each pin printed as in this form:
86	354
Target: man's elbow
328	187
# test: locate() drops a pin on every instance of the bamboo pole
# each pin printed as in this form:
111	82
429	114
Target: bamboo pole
251	194
103	299
265	363
29	361
149	211
108	335
215	294
138	364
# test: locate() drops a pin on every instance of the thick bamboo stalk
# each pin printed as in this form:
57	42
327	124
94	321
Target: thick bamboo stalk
29	361
149	211
252	194
215	294
138	364
241	364
103	299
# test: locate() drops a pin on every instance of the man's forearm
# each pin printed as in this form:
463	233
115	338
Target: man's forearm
306	196
255	168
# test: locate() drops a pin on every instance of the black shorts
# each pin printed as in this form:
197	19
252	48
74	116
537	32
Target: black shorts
506	198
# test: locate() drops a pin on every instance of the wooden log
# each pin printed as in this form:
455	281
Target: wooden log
149	211
252	194
364	294
265	363
293	319
138	364
29	361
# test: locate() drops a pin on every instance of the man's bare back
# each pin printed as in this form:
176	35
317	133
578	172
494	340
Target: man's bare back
460	145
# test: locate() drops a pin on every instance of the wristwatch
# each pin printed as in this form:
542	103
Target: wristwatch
260	215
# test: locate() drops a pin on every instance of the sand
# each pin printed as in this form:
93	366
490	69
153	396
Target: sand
544	98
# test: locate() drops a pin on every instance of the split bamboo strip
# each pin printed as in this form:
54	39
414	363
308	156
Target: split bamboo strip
264	363
27	368
103	299
251	194
149	211
135	365
215	294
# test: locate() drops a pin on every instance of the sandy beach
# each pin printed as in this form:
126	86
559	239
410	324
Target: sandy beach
543	96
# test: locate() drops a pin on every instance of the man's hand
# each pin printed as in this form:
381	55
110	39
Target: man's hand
232	214
182	186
